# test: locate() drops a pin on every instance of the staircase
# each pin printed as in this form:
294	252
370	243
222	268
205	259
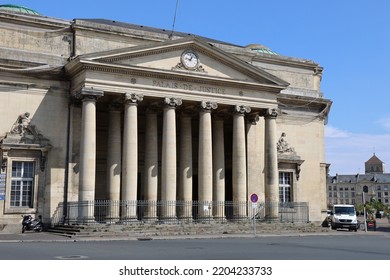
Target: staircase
66	230
152	230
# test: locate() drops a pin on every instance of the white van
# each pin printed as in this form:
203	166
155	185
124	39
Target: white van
344	216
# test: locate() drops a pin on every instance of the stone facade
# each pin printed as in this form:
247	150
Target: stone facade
124	112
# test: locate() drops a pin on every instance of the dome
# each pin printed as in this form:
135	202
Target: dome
18	9
260	49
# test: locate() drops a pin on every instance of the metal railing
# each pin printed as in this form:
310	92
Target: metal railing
143	211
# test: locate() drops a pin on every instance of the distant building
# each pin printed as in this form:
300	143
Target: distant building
348	189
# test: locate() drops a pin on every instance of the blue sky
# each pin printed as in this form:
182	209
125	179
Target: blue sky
349	38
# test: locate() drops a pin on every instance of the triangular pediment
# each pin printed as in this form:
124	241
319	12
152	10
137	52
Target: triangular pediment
166	57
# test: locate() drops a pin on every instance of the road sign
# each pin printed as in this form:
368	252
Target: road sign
254	198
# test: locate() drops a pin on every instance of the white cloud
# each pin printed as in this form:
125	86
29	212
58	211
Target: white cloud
385	123
333	132
347	152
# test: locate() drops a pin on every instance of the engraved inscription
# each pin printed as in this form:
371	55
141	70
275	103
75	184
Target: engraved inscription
189	87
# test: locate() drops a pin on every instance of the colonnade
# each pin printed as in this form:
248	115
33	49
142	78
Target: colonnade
176	176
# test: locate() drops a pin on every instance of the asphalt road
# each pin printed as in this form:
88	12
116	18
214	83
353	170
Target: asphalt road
316	247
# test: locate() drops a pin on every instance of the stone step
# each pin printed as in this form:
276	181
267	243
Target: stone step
181	229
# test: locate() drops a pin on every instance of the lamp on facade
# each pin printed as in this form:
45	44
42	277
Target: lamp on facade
3	164
42	162
4	161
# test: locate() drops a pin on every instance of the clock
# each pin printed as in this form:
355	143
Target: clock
189	59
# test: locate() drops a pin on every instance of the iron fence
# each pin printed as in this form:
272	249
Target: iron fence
143	211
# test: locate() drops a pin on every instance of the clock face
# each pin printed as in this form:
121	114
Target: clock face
189	59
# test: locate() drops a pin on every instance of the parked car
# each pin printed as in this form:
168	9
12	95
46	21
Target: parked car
344	216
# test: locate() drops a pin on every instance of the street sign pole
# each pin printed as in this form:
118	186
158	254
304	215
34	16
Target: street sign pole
254	222
254	198
364	212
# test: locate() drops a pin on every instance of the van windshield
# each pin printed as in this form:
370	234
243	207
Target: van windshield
344	210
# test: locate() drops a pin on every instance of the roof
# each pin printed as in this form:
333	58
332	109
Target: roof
257	48
150	29
18	9
374	160
380	178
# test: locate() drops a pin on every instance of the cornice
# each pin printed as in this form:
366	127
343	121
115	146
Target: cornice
79	65
287	61
34	21
194	43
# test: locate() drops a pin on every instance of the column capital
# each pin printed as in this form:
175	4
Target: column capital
133	98
152	108
241	109
172	102
208	105
114	106
271	114
189	111
253	119
88	94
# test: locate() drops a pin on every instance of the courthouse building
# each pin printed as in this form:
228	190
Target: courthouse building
97	110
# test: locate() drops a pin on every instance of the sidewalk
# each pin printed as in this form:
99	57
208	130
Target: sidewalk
383	228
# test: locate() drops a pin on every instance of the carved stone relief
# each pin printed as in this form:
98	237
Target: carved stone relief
23	132
283	146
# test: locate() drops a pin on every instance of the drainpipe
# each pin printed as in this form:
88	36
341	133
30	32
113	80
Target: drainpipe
68	134
66	178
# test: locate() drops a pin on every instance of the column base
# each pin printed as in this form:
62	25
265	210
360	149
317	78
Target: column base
272	219
168	220
150	220
128	220
86	220
188	219
111	221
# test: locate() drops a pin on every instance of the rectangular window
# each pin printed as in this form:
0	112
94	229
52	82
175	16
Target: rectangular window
379	194
285	188
22	184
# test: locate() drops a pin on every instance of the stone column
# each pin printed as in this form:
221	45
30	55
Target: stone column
88	154
205	159
114	149
271	167
255	161
151	163
218	168
130	157
239	162
168	161
185	168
